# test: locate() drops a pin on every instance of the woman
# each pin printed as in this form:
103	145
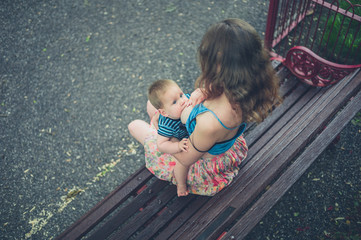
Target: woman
240	86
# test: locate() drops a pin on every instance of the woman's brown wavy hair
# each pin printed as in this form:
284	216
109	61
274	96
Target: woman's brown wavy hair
234	61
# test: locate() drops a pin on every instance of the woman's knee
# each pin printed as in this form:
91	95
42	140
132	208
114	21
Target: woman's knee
139	130
133	126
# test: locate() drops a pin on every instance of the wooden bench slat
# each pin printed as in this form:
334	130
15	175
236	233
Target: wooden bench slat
106	206
192	231
183	217
287	86
295	104
127	211
295	171
178	205
276	114
294	121
146	214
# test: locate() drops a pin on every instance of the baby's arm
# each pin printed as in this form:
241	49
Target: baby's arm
166	145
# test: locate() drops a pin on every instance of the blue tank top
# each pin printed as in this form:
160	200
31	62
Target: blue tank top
219	147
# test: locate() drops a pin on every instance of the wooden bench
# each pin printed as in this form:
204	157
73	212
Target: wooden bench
280	150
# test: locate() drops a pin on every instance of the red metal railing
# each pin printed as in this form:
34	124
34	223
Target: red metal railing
302	34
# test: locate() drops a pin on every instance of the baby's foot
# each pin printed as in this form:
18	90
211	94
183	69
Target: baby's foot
182	190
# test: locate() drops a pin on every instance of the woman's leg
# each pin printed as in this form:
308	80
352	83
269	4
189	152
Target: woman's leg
151	110
153	114
139	129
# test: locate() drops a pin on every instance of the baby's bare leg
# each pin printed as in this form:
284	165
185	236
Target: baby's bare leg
180	174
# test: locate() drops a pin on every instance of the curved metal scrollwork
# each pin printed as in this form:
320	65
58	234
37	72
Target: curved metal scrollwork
314	70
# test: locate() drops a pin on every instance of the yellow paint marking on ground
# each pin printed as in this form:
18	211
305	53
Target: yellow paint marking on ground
43	218
38	223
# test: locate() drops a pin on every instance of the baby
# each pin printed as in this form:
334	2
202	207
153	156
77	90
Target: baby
167	97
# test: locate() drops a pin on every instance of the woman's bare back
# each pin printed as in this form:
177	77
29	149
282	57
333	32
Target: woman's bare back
226	114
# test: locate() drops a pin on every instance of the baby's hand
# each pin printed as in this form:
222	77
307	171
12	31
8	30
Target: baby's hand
183	145
196	97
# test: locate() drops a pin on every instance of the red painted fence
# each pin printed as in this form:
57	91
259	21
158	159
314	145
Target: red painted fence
318	41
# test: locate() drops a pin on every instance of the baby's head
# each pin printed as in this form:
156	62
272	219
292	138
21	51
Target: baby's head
166	96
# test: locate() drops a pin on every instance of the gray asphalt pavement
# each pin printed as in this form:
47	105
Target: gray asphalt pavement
74	73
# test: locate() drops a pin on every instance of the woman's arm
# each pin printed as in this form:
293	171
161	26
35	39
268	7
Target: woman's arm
203	138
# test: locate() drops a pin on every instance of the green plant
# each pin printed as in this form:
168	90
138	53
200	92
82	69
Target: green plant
341	29
357	119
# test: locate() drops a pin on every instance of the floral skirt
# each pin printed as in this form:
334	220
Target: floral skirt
207	176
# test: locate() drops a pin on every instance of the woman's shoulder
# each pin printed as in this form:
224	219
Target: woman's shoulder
207	122
225	115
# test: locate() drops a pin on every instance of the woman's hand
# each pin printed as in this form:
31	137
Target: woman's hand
196	97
